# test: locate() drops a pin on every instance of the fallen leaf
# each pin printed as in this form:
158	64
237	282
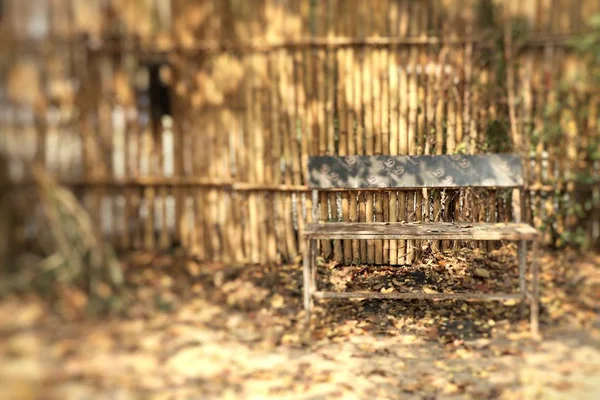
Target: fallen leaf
193	268
387	290
450	388
482	272
277	301
428	289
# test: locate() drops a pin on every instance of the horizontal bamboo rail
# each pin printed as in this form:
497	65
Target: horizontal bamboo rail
253	187
418	296
135	46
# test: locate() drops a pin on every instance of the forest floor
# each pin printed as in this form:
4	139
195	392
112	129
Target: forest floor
196	331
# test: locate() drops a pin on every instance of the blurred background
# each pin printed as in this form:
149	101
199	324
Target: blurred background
153	171
187	124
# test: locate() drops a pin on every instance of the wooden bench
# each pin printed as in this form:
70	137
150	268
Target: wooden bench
372	173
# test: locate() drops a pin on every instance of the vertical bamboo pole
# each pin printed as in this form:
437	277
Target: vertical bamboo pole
275	150
594	136
392	68
420	195
538	126
259	161
297	127
316	92
385	140
412	131
342	118
352	126
179	137
287	93
236	140
212	195
326	122
450	149
370	146
429	122
242	172
286	85
377	142
403	142
205	145
439	133
549	121
468	119
250	131
361	143
476	128
311	134
147	145
163	234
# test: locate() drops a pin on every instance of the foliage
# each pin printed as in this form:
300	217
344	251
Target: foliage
588	45
76	265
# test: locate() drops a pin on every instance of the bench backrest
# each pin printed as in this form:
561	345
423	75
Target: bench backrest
413	172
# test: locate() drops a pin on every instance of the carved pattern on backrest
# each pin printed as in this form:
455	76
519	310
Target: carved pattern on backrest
434	171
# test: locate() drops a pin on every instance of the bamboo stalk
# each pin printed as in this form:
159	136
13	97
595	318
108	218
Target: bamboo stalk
377	142
385	136
260	162
253	234
359	96
200	233
298	64
450	149
393	141
429	124
351	100
280	228
486	113
288	104
163	234
322	90
421	129
370	146
292	246
412	131
148	219
342	112
403	144
276	149
308	84
510	89
439	135
326	121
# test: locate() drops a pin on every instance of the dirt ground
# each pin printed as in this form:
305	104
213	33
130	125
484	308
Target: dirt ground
199	331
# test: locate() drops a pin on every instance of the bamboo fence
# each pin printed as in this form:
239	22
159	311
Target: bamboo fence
253	88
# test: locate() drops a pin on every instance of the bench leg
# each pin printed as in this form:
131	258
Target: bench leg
306	263
313	267
535	295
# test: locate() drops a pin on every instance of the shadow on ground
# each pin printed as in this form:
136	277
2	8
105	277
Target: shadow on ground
195	330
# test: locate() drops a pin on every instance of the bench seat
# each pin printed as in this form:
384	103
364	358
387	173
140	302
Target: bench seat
416	230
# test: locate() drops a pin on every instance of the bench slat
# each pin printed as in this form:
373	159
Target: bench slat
438	230
419	296
412	172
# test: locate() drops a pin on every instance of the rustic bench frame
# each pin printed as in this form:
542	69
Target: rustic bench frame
498	171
